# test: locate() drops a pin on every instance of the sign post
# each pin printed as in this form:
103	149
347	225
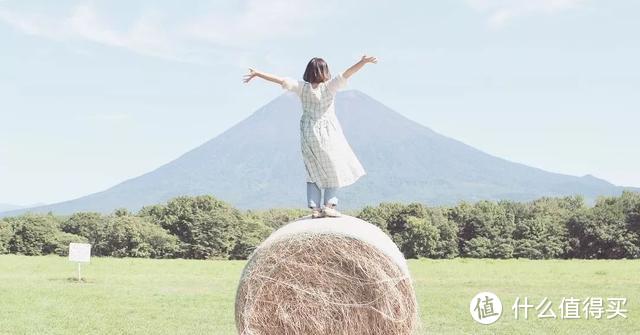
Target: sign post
80	253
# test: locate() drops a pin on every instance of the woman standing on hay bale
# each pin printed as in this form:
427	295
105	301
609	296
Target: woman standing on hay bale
328	158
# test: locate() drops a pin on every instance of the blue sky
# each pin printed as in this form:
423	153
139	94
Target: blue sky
96	92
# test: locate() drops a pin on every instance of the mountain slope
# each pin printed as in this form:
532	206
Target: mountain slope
9	207
257	164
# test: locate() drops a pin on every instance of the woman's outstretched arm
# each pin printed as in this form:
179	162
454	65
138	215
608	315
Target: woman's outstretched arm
357	66
266	76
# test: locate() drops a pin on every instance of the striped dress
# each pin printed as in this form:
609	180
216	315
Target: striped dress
328	157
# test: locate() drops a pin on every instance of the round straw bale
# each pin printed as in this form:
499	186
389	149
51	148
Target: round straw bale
326	276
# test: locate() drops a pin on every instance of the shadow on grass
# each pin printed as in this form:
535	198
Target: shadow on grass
75	280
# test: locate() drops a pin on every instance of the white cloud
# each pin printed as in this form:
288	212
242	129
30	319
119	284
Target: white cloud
501	12
33	24
258	21
215	33
83	23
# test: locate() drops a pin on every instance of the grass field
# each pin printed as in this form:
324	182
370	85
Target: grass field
38	295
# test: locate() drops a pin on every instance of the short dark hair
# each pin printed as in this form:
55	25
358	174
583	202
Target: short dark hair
317	71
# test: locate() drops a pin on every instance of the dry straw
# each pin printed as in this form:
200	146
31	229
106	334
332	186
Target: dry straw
326	276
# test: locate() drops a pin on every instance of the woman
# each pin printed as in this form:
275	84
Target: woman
328	158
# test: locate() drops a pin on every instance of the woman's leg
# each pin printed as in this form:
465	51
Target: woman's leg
330	199
313	195
330	203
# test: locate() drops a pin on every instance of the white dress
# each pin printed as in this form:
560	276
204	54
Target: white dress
328	157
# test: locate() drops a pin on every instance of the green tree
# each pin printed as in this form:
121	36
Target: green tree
132	236
252	231
86	224
542	227
417	230
485	229
207	227
607	230
33	234
277	217
6	233
122	212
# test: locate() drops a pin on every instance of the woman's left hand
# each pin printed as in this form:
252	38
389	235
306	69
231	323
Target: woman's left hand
369	59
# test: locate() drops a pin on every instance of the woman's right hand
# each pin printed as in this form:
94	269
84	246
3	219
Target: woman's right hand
247	77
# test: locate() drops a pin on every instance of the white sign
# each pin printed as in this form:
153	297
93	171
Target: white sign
79	252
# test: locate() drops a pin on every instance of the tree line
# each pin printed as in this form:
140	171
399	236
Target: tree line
203	227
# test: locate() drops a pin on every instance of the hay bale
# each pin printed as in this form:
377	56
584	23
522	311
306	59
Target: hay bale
326	276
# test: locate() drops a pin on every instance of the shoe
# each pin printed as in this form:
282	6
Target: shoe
316	214
330	212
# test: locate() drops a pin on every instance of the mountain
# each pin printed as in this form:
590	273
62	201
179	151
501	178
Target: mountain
10	207
257	164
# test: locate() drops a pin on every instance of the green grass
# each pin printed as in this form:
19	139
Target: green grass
38	295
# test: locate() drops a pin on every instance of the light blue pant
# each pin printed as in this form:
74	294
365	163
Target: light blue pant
314	194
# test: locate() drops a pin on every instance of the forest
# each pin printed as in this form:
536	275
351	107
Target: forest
203	227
